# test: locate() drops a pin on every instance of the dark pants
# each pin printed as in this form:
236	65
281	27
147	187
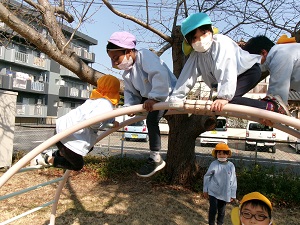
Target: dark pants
152	121
216	206
67	159
245	82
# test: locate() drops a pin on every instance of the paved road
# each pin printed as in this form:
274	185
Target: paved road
29	138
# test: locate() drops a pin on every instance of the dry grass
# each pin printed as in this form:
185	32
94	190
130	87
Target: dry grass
87	200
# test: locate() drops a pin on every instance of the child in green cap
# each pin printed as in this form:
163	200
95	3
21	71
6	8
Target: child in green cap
223	65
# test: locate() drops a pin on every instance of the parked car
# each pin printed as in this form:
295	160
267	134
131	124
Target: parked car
219	134
261	136
294	143
137	131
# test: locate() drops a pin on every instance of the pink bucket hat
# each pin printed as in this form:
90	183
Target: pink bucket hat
123	39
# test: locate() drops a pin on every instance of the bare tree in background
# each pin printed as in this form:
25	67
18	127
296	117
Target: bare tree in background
237	17
30	19
158	25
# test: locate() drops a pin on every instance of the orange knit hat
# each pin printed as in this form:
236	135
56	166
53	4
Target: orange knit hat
221	147
108	87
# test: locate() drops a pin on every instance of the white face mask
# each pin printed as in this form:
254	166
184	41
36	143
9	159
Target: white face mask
204	44
222	159
126	64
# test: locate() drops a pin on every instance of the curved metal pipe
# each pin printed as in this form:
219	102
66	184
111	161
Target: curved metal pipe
196	107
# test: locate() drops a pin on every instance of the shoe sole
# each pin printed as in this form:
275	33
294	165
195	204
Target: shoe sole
278	98
154	171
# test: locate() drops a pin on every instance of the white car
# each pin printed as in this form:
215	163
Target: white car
219	134
137	131
261	136
294	143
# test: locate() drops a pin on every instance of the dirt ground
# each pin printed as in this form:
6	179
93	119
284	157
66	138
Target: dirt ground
87	200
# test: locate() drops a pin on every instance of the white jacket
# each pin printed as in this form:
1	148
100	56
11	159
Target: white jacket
283	63
149	78
83	140
220	180
219	67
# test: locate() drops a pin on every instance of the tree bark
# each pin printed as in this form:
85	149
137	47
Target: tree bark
183	130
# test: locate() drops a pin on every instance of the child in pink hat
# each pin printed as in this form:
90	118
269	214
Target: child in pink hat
147	80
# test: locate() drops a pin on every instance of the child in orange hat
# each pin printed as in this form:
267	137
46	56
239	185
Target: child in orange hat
71	149
255	208
219	183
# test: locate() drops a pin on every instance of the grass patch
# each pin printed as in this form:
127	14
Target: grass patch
113	167
280	186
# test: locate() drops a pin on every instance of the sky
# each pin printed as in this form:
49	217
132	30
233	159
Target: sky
104	23
102	30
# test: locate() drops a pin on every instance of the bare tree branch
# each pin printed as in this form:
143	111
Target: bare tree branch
145	25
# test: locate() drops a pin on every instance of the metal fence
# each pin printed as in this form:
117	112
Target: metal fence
27	138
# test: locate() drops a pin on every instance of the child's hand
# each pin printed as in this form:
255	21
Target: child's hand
148	104
205	195
218	105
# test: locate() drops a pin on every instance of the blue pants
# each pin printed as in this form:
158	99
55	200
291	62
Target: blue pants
245	82
216	206
152	121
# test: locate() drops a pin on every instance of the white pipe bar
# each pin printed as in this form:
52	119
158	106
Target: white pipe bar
188	107
26	213
57	195
194	107
30	189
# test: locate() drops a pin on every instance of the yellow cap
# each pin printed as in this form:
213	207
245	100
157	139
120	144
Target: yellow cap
221	147
257	196
235	212
108	86
285	39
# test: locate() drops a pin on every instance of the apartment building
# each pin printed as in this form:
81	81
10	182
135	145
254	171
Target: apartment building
46	90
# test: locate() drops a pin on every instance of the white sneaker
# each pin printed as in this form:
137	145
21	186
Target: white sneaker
41	159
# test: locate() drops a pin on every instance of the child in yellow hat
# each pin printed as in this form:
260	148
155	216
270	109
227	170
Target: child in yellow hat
219	183
255	208
71	149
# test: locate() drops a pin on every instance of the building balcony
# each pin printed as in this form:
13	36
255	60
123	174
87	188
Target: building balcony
84	54
26	110
65	72
12	83
66	92
25	59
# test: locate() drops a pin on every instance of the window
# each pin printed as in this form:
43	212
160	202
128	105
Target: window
259	127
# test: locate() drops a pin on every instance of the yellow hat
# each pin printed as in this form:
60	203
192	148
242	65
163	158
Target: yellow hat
285	39
221	147
235	212
108	87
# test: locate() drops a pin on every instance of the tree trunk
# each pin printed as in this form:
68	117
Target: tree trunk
181	160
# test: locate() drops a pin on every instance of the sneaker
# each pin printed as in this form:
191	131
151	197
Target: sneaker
41	159
151	167
280	106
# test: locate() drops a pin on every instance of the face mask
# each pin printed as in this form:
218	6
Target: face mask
204	44
126	64
222	159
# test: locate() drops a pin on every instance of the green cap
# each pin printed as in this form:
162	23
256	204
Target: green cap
194	21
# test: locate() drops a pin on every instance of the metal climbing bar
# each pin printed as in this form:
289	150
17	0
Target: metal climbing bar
201	107
53	202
